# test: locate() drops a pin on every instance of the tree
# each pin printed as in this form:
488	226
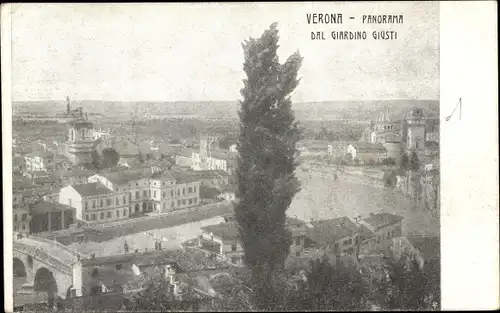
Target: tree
414	162
405	161
109	158
266	162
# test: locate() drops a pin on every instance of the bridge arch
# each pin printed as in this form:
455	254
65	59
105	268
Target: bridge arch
45	281
19	269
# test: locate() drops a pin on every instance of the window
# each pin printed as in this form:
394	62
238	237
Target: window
117	201
172	204
164	195
24	216
125	212
297	241
178	202
101	203
116	189
137	194
109	201
102	215
171	193
194	188
183	201
118	267
234	260
86	205
190	201
86	217
94	217
93	204
233	248
117	214
108	214
190	189
297	253
124	199
183	191
154	195
144	193
149	193
15	218
337	247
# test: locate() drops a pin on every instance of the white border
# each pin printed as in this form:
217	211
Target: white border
469	155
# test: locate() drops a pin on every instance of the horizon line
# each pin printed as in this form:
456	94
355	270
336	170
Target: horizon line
306	101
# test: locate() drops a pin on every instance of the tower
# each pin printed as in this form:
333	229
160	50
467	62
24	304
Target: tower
68	105
80	143
415	130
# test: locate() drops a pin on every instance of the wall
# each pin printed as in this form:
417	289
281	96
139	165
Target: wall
69	196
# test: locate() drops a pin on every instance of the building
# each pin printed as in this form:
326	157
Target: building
153	189
39	160
80	142
94	202
20	213
384	226
70	115
309	148
332	237
75	176
102	133
337	149
127	149
228	193
425	249
184	157
19	164
210	157
212	178
223	240
367	153
50	216
414	130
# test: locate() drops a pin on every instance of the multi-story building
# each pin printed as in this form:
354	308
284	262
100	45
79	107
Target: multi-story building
210	157
80	142
153	189
50	216
95	202
384	226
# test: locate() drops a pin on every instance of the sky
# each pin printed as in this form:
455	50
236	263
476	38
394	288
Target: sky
175	52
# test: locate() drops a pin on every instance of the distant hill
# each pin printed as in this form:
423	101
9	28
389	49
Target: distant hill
321	110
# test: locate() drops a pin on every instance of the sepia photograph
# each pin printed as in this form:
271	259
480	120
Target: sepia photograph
226	157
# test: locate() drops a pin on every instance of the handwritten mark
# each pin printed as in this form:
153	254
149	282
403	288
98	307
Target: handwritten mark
459	105
351	17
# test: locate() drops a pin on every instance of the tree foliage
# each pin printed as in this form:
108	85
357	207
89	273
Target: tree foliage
266	165
109	158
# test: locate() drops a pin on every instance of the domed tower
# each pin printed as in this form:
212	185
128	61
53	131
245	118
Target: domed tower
415	130
80	141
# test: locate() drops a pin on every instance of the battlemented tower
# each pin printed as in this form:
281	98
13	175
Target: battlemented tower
80	143
415	130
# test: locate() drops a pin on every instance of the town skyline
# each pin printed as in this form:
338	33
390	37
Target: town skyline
156	53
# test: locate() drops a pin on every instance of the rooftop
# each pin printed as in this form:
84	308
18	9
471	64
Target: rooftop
139	259
123	177
45	206
379	220
331	230
91	189
364	146
209	173
126	147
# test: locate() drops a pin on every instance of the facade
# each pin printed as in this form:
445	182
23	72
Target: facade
337	149
384	226
152	189
50	216
414	125
94	202
20	213
210	157
367	153
39	161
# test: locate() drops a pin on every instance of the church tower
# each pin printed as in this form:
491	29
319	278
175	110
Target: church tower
80	141
415	130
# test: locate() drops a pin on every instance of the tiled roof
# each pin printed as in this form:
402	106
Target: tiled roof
365	233
221	154
368	147
92	189
379	220
45	206
183	176
209	174
123	177
227	230
331	230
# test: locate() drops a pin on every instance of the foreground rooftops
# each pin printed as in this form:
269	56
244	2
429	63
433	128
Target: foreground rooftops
368	147
380	220
331	230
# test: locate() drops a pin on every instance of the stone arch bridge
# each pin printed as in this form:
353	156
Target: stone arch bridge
47	265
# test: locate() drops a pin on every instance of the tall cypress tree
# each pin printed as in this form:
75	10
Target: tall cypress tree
266	164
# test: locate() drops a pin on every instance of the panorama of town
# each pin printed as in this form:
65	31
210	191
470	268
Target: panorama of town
104	211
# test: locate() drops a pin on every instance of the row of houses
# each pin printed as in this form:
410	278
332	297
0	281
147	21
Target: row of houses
315	239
